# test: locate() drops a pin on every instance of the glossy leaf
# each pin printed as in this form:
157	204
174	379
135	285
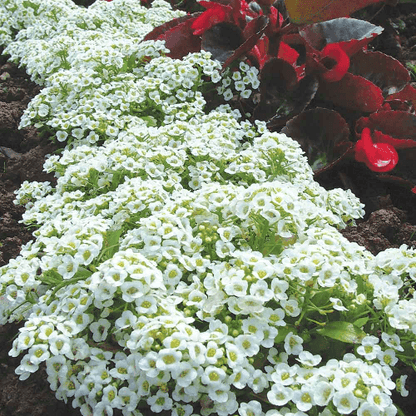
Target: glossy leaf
222	40
310	11
282	96
343	331
399	125
398	181
252	33
408	93
350	34
323	135
381	69
352	92
178	36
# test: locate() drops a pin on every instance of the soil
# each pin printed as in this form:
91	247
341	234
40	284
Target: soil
390	218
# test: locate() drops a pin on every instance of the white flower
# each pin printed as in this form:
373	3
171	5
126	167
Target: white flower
284	374
38	353
115	276
61	136
160	401
369	348
379	399
293	344
337	304
168	359
239	378
236	286
213	353
401	386
59	345
304	398
196	352
323	393
368	409
129	398
392	341
122	369
387	357
258	381
279	395
219	394
307	358
213	376
345	402
68	266
100	329
345	381
184	374
234	356
261	291
249	345
250	304
110	397
126	320
291	307
148	364
252	408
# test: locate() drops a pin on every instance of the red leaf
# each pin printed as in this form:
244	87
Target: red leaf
398	181
282	96
408	93
397	124
352	92
323	134
381	69
178	36
351	34
287	53
255	33
222	40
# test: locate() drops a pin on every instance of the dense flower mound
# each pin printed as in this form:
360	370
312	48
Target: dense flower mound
186	261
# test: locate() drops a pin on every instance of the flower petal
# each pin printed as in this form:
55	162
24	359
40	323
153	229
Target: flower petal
215	13
379	157
335	53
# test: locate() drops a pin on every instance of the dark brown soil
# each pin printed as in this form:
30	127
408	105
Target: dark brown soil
390	209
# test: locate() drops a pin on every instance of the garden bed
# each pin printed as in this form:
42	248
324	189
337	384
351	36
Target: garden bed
389	222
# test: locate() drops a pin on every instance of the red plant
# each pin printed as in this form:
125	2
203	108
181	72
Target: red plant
326	61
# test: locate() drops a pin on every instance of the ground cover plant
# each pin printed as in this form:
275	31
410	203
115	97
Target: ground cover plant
186	261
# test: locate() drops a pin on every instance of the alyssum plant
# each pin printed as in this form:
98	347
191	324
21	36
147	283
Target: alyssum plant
186	262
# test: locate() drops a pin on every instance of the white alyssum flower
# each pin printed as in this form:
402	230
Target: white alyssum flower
184	256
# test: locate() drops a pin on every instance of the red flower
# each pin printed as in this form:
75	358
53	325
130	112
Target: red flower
379	157
331	63
215	13
260	51
336	54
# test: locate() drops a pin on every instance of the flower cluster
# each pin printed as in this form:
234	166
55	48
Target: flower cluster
242	81
186	261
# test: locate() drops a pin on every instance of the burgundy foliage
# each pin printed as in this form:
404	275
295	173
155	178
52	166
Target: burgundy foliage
327	62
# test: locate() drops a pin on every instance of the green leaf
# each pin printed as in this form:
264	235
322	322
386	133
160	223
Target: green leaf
343	331
111	244
361	322
283	331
